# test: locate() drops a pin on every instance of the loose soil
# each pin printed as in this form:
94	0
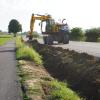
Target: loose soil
80	70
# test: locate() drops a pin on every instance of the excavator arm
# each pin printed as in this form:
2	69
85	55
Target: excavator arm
32	21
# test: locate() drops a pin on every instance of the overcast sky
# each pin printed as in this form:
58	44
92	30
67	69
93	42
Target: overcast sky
78	13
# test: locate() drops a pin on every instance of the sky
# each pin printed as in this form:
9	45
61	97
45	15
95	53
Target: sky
78	13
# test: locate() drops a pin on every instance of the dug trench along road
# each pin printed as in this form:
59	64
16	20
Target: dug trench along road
91	48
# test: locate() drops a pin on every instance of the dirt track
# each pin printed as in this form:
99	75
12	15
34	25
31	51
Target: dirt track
9	85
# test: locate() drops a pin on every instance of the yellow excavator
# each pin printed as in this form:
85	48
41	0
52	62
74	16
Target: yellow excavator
53	31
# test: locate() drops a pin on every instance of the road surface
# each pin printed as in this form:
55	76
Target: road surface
91	48
9	85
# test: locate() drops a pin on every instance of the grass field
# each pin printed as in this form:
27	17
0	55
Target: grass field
4	39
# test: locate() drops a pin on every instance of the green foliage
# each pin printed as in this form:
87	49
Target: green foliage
76	34
35	35
19	43
14	26
92	34
26	52
4	39
60	91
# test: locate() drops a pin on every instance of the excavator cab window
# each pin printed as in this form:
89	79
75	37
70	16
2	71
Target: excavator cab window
43	29
49	25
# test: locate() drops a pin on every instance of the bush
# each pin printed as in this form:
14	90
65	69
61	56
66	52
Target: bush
92	34
76	34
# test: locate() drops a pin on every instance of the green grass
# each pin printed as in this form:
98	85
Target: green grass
22	78
60	91
4	39
27	53
19	43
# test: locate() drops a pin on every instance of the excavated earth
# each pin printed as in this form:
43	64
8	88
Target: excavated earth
80	70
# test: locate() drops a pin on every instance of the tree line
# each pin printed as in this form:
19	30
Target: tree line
89	35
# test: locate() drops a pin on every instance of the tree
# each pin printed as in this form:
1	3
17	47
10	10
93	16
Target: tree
76	34
14	27
92	34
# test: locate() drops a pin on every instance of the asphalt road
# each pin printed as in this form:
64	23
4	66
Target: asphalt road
91	48
9	85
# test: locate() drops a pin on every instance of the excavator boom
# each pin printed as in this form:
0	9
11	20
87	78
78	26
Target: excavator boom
32	22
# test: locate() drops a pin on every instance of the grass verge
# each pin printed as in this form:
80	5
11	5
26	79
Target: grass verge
60	91
36	82
56	90
26	52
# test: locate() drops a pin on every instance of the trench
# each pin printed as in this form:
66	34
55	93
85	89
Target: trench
80	70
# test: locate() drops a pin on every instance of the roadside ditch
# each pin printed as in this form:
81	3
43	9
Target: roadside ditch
80	70
36	82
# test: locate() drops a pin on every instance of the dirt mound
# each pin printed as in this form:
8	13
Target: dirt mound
80	70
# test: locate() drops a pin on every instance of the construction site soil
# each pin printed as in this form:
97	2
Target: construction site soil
80	70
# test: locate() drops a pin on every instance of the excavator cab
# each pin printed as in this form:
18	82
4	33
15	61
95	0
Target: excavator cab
49	25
